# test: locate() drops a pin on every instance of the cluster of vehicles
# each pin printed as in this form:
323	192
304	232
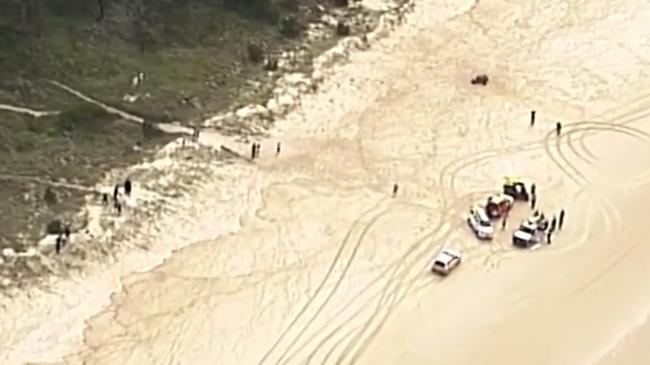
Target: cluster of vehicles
480	220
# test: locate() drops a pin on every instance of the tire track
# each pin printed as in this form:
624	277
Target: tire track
321	285
354	299
348	264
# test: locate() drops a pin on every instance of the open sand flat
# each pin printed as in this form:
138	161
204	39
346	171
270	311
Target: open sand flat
332	269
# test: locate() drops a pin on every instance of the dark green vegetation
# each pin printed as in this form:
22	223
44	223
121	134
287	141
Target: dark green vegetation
194	53
198	57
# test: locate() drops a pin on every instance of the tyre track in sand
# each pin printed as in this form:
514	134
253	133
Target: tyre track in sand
375	216
394	268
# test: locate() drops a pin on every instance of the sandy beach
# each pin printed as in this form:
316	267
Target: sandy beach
305	257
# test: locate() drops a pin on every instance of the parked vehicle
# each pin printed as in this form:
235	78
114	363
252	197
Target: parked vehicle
498	205
530	232
516	188
446	261
480	223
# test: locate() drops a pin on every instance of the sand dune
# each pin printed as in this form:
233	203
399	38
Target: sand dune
327	267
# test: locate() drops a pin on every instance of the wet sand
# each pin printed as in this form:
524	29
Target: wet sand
330	268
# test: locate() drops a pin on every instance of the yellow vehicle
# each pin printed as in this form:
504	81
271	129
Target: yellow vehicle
516	188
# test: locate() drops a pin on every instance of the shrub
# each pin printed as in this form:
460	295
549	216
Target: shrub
50	196
83	118
290	27
255	53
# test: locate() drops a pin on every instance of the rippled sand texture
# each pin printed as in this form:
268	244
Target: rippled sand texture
332	269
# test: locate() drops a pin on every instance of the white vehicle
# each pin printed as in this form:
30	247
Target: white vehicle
527	235
480	223
446	261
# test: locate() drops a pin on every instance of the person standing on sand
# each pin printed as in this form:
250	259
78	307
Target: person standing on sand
532	118
66	232
533	201
253	150
561	220
57	244
277	148
558	128
395	188
118	207
553	224
127	187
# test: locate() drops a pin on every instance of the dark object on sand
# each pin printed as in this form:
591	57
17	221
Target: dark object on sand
480	80
342	29
127	187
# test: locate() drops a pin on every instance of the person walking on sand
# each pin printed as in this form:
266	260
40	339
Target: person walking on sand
395	188
253	150
558	128
278	147
561	219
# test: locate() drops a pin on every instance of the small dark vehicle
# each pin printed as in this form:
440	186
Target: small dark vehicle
480	80
516	189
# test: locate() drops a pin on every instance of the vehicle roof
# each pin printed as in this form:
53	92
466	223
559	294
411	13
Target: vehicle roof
513	179
497	198
480	211
447	254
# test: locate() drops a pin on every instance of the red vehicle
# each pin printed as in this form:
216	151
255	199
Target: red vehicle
498	205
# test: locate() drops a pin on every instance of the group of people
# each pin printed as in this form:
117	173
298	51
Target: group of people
117	201
558	125
256	147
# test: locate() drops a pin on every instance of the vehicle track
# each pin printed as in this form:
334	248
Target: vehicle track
366	228
395	267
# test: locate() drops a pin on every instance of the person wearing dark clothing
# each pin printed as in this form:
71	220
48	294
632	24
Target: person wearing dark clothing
253	150
395	188
553	224
116	192
105	199
127	187
57	244
533	201
561	219
558	128
532	118
548	236
277	148
66	232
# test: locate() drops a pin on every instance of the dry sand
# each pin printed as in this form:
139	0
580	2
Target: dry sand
328	268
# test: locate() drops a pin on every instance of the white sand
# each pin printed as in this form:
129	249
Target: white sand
328	268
